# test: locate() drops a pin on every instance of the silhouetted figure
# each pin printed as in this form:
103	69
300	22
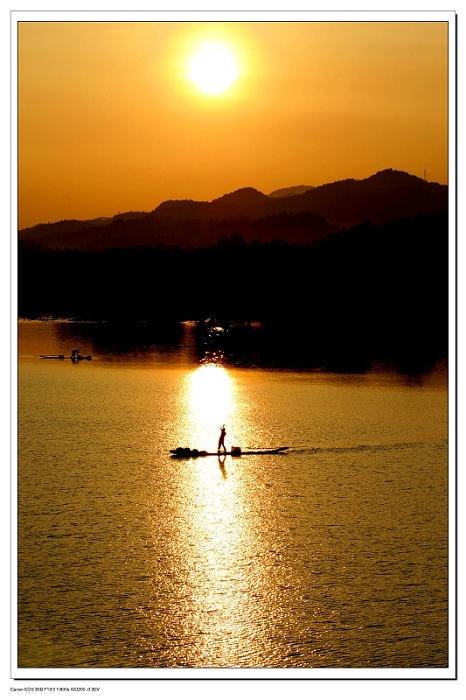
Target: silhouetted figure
221	440
74	355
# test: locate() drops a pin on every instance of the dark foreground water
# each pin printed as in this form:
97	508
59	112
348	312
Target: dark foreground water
332	555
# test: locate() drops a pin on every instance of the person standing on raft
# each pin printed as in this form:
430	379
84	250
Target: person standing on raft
221	440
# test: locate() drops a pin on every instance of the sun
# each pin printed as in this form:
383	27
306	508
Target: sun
213	68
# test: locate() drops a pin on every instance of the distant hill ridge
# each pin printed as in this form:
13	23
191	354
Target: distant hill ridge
288	191
382	197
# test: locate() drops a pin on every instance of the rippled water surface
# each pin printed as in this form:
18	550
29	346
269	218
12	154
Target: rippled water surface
331	555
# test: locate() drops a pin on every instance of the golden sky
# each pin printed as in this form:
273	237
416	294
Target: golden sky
109	120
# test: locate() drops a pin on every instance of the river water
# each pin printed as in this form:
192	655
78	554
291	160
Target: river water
333	555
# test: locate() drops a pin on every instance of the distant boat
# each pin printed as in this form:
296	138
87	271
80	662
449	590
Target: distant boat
185	452
66	357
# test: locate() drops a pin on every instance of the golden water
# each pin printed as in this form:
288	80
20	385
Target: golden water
333	555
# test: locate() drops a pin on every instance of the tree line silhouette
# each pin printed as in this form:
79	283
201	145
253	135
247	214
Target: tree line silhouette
371	292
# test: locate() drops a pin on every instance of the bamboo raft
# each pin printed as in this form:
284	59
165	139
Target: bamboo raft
186	452
66	357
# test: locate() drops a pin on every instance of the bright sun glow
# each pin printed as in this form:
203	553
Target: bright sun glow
210	402
213	68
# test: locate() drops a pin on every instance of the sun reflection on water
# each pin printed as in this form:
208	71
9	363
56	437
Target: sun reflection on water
219	545
219	549
210	402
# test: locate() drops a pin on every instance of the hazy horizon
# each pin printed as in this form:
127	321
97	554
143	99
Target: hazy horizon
246	187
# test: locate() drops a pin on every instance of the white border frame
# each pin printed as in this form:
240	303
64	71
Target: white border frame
111	674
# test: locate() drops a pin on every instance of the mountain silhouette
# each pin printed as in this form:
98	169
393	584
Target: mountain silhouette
387	195
247	202
250	214
288	191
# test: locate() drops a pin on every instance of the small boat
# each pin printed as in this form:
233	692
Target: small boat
66	357
186	452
